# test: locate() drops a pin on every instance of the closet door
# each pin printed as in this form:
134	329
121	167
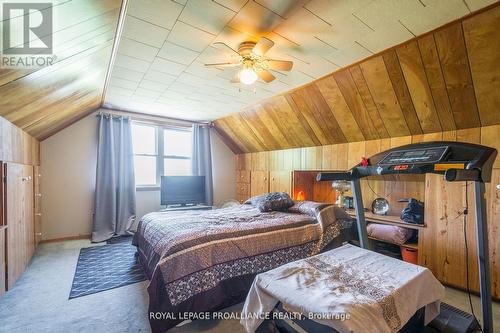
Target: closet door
18	192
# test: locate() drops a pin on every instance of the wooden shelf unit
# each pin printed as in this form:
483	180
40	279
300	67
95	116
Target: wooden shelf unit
387	219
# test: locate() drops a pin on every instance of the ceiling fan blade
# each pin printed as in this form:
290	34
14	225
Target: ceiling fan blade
265	75
220	45
262	46
224	64
280	65
236	78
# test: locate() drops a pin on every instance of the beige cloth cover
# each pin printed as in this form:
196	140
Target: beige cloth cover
378	293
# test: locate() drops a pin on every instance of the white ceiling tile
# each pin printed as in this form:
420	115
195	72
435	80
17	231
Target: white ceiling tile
435	13
382	13
142	92
137	50
284	8
384	38
344	31
296	78
319	66
125	73
144	99
121	83
217	55
302	26
206	15
153	75
199	69
169	95
120	91
190	37
183	88
168	67
332	10
144	32
134	64
478	4
192	79
348	55
163	13
255	20
154	86
234	5
177	53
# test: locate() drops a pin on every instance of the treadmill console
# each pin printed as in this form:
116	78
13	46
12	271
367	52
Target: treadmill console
414	156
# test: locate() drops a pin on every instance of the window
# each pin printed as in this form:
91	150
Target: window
160	151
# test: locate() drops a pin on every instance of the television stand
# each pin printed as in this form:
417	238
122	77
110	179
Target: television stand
186	208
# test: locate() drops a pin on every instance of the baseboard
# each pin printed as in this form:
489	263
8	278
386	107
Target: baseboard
62	239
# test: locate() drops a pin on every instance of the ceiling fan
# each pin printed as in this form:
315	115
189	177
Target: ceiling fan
254	64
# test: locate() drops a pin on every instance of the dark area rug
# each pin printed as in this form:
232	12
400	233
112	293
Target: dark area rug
105	267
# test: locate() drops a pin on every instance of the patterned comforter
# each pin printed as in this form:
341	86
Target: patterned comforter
201	261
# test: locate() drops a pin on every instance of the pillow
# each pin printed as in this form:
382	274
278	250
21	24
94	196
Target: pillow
389	233
310	208
274	201
255	200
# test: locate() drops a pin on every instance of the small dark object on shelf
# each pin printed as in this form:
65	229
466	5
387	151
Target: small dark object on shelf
349	203
413	212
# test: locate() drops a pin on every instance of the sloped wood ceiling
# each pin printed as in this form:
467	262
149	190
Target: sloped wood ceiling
43	101
444	80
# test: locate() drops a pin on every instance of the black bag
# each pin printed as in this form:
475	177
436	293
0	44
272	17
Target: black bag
413	212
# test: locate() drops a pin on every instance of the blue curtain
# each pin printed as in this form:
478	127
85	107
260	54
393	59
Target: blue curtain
202	158
114	205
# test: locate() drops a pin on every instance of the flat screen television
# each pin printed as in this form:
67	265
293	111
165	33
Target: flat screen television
182	190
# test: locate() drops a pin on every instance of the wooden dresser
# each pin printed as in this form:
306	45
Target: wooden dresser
242	185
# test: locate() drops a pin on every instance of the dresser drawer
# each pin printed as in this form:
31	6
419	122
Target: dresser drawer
243	176
243	188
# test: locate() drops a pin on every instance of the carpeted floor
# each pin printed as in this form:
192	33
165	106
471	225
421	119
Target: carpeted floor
39	301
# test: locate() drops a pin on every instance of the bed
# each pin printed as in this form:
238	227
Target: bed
204	261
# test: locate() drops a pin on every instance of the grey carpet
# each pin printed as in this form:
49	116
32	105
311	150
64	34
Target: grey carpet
106	267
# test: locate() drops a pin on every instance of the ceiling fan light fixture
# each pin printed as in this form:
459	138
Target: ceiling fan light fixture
248	76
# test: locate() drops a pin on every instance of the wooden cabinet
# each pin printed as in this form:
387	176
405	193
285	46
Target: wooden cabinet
3	276
19	218
259	182
281	181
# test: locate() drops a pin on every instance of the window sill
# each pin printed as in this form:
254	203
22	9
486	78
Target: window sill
141	188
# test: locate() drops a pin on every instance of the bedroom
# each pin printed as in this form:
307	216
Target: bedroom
138	137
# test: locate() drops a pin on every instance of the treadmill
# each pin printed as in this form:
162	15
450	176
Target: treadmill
457	161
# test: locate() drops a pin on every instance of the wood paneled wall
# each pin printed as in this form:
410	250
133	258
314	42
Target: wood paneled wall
442	240
44	100
445	80
18	146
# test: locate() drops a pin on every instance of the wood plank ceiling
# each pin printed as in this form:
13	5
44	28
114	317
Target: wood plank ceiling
444	80
43	101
